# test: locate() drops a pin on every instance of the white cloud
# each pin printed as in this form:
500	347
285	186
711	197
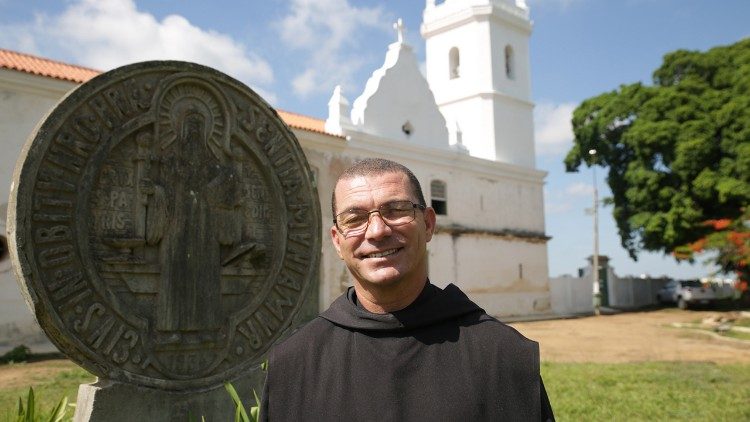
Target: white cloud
555	207
579	189
553	131
560	201
104	34
555	202
324	30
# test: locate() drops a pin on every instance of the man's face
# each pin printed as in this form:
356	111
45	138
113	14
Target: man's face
383	256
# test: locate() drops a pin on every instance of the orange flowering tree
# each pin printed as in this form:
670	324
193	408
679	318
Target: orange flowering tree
730	243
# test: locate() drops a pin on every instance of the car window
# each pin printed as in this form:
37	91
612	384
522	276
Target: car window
691	283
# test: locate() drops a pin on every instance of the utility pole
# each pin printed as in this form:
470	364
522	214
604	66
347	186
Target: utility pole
595	257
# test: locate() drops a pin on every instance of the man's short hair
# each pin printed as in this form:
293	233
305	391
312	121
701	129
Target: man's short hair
376	167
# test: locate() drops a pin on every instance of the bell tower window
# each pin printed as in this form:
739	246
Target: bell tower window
454	62
509	65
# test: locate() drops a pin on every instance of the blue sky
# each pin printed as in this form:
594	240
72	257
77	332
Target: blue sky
294	52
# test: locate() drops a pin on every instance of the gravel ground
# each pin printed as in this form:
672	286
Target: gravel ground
633	337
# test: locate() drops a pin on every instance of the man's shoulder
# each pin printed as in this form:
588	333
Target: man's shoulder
305	337
488	328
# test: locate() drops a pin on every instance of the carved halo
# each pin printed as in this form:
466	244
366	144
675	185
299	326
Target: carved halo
191	95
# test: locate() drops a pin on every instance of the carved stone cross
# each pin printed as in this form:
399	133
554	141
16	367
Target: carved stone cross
399	27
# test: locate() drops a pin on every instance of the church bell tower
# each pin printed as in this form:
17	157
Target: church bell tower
477	62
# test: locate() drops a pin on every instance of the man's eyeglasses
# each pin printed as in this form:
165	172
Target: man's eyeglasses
354	222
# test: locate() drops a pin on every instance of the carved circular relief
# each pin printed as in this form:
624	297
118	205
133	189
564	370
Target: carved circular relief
164	226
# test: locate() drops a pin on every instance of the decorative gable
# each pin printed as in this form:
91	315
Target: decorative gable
397	103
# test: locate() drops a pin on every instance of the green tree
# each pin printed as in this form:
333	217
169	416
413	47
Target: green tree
677	151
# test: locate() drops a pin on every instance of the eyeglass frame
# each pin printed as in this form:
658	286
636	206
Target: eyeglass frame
415	207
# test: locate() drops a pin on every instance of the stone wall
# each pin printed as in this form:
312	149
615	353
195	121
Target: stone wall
634	292
571	295
24	100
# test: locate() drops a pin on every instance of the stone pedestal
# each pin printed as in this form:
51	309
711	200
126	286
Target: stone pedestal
113	401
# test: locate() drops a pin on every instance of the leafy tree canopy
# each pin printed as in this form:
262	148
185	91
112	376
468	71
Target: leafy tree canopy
677	152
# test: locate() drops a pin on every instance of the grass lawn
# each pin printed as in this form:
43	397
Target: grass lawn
51	381
578	391
648	391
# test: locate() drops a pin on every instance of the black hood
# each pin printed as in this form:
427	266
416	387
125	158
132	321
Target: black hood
432	306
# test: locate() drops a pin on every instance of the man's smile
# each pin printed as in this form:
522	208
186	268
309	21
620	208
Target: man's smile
384	253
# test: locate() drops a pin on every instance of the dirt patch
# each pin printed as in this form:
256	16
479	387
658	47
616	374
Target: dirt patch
632	337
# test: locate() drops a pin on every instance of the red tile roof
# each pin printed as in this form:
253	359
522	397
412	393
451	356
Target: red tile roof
67	72
299	121
45	67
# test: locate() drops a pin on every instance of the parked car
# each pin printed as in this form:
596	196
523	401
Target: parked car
686	293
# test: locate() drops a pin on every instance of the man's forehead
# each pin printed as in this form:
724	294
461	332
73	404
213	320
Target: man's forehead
392	183
395	180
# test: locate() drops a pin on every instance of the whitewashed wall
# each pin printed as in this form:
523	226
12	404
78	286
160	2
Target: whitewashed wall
506	276
493	111
571	295
574	295
24	100
634	292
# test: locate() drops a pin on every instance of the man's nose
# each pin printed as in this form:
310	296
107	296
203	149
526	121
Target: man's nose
377	227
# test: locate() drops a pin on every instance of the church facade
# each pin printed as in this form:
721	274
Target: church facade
465	129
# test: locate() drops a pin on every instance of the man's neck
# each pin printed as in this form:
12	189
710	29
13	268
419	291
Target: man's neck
378	301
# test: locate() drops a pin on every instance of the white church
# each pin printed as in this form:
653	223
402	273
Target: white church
465	129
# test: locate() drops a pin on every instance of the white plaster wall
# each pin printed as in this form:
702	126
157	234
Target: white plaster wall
24	100
506	277
475	70
475	119
494	112
397	94
632	292
514	128
486	202
474	115
571	295
502	34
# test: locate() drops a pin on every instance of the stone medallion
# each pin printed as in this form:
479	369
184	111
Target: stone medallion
163	225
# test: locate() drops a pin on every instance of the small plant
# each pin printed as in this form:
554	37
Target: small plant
240	414
29	413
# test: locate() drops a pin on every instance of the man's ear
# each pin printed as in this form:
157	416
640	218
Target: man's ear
336	240
430	221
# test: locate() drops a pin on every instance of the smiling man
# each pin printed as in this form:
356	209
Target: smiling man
395	347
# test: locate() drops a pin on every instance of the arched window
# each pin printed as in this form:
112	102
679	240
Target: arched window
439	200
455	62
509	63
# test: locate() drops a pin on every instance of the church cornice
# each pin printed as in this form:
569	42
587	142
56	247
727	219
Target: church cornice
485	96
364	144
528	236
436	22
